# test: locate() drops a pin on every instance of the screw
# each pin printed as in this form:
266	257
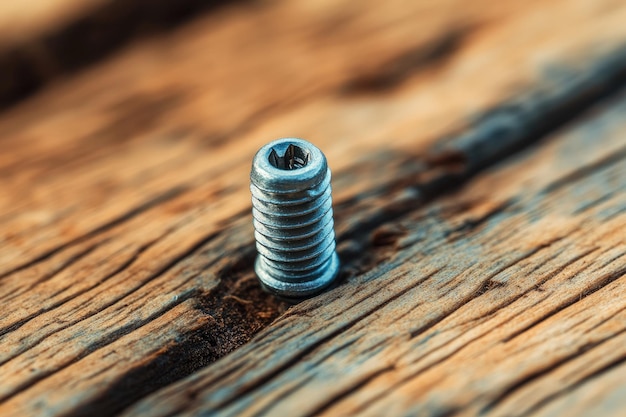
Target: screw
293	219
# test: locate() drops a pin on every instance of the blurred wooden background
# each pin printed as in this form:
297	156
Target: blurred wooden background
478	155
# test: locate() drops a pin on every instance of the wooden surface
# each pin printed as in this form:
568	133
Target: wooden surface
43	40
478	159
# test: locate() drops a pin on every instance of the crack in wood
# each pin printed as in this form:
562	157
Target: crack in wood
131	260
148	205
569	302
542	372
569	388
67	263
88	39
586	170
396	71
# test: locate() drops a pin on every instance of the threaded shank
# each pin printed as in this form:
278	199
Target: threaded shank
293	218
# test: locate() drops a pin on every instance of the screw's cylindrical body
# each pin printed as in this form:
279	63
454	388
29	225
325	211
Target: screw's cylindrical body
293	219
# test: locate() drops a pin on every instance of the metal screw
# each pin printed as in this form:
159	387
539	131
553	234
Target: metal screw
293	219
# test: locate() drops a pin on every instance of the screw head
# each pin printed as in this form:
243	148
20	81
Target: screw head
288	165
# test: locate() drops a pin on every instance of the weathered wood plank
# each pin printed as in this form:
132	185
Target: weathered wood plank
121	223
181	115
497	299
45	40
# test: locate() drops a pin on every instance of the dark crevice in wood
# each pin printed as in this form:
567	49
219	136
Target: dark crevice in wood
293	360
511	300
173	363
114	336
568	389
451	286
602	322
459	348
400	317
488	281
375	347
610	261
543	372
125	329
305	351
393	73
15	326
404	291
451	354
239	304
280	306
347	391
184	358
609	278
61	302
615	214
489	285
493	137
238	309
391	388
513	126
67	263
586	170
301	383
134	212
593	203
330	353
87	39
473	224
439	319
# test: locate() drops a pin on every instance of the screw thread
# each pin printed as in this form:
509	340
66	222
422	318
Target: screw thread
293	221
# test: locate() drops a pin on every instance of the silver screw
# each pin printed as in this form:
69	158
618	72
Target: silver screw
293	219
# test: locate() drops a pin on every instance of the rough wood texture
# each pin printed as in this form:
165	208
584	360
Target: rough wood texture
127	247
499	298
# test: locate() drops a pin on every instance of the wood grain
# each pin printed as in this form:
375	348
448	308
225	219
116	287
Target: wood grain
44	40
497	299
127	246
